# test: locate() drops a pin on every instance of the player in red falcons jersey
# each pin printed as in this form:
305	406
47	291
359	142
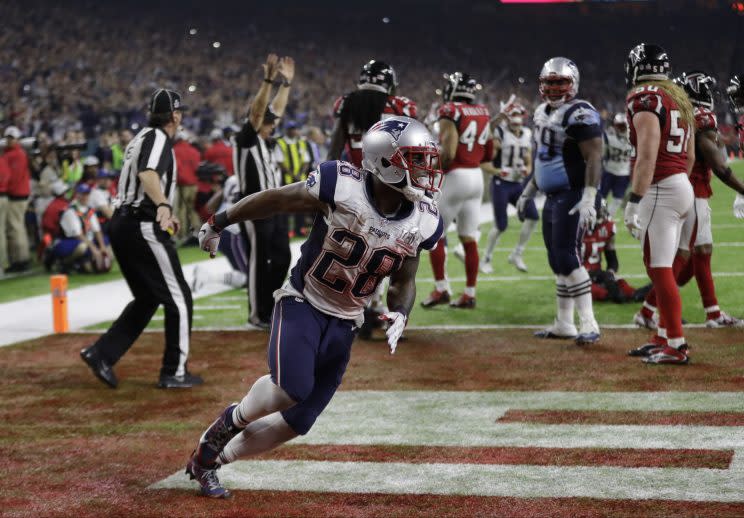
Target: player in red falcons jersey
662	126
356	112
697	232
465	140
735	91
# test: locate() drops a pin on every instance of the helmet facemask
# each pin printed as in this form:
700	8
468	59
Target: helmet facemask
556	90
423	171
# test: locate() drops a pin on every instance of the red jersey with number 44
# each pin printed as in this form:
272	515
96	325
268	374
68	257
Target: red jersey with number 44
705	120
594	244
672	156
395	105
474	144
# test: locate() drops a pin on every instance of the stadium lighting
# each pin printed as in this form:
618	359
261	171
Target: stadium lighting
386	20
521	80
192	88
216	44
193	31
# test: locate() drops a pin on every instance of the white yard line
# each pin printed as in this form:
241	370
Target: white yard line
470	419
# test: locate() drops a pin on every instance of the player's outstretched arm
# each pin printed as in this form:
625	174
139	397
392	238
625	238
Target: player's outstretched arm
400	298
714	158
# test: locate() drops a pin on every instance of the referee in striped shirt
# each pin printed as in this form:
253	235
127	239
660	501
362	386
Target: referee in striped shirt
141	230
257	170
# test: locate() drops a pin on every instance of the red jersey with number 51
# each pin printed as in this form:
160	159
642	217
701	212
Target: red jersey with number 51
474	144
675	134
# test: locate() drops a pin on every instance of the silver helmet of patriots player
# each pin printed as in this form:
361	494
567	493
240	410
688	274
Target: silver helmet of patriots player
559	81
401	152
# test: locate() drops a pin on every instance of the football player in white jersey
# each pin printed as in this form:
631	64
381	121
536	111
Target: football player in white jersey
616	162
370	223
512	144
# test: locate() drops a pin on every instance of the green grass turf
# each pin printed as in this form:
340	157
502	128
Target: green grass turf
37	282
532	302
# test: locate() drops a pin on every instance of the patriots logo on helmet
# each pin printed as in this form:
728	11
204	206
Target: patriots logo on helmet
394	127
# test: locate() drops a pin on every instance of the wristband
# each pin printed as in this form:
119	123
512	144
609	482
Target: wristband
219	221
286	84
267	80
165	205
634	198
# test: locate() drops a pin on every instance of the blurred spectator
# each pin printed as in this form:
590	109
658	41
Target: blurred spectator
19	189
72	166
90	169
187	161
78	242
219	152
4	180
118	147
101	198
317	146
293	159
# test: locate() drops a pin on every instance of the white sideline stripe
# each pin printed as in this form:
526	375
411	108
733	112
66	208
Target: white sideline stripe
470	419
700	485
621	246
159	318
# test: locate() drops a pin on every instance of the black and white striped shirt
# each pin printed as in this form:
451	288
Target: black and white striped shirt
150	149
254	162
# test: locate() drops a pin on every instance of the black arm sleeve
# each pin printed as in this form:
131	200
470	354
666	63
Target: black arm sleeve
611	256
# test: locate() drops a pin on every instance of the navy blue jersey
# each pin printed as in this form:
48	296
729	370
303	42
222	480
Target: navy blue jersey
559	164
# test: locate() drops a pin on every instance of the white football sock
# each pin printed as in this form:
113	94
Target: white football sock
493	239
260	436
443	285
614	205
235	278
262	399
528	226
565	303
469	291
579	286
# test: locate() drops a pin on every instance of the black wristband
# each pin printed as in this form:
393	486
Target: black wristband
165	205
220	221
612	263
286	83
634	198
267	80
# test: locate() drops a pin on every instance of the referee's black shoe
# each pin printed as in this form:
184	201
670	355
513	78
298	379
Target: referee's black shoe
187	380
98	365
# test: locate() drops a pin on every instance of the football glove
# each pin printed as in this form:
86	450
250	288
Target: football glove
504	106
209	237
396	324
585	208
632	219
528	194
739	206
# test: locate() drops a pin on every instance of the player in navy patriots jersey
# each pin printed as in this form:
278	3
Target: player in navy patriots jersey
568	167
370	223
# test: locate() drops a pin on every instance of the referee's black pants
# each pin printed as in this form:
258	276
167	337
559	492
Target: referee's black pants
150	264
268	263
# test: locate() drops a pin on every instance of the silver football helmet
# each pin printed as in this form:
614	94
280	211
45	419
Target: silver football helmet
559	81
620	123
401	152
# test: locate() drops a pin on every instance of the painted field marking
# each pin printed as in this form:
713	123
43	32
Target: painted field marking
470	419
215	307
513	278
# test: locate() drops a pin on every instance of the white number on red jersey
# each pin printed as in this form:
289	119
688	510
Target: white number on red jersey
468	136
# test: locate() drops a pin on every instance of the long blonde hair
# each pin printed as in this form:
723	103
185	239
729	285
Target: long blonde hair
678	94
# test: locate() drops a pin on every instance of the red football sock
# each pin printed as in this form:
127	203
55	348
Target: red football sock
437	256
471	263
704	278
670	303
683	269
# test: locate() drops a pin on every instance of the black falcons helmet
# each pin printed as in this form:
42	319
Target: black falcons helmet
735	93
699	87
459	85
646	61
378	75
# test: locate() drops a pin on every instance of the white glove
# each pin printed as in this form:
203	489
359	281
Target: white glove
585	208
632	219
209	238
396	325
739	206
504	106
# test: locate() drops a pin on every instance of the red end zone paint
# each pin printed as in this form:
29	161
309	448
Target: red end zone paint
628	458
589	417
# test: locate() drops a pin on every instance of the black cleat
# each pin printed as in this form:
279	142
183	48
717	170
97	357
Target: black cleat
187	380
100	368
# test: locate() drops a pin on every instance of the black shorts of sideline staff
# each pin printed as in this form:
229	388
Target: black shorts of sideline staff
149	262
